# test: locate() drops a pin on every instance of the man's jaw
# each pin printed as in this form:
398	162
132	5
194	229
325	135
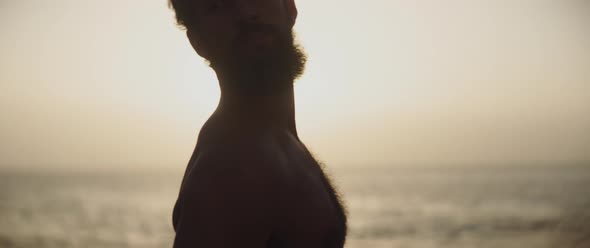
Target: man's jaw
260	39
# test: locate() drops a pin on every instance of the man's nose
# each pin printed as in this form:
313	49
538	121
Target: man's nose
248	10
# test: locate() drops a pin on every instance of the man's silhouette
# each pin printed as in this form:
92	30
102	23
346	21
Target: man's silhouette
250	181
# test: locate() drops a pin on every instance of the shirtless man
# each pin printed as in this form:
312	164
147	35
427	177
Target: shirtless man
250	181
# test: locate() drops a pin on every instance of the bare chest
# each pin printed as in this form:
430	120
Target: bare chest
309	212
313	214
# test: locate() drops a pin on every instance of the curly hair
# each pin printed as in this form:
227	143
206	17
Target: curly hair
183	10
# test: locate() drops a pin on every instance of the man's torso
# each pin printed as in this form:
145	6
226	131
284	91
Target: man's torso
311	214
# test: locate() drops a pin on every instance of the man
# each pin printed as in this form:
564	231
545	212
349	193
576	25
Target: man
250	181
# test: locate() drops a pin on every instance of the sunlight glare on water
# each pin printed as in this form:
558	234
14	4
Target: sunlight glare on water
388	207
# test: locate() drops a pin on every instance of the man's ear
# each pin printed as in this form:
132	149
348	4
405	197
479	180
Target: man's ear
291	11
193	38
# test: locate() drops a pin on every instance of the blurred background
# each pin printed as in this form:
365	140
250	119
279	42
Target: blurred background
461	123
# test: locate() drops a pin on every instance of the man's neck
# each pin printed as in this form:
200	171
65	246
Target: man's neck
258	112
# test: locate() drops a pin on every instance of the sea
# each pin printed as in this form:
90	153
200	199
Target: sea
388	206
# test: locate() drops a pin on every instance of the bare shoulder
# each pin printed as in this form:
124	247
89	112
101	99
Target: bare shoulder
231	190
251	159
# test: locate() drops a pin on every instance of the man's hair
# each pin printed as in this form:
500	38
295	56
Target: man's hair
183	11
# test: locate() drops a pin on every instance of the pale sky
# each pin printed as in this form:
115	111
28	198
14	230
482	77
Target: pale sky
102	84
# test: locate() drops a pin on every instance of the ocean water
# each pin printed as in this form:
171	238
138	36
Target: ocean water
388	207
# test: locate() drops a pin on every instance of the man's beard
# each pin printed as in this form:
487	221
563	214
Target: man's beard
272	70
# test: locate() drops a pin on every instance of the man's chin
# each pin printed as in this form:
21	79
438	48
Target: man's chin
252	62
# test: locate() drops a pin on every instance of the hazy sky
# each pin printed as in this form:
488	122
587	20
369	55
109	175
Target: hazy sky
109	83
